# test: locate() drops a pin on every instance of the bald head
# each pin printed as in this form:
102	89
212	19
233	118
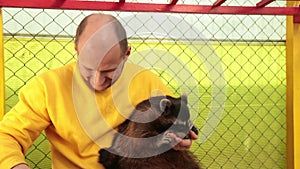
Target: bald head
92	23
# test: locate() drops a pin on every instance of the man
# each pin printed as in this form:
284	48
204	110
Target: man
79	104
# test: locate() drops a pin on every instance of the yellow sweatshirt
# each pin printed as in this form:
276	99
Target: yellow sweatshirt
77	121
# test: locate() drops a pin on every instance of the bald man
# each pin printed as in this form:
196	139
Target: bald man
80	104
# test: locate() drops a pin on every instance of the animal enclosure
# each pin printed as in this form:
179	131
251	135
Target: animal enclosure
233	68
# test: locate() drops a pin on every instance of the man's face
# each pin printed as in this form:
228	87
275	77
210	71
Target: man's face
101	77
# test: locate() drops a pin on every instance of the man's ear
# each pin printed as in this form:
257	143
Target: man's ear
128	51
76	48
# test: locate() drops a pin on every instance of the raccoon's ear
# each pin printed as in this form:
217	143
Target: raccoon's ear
184	97
164	103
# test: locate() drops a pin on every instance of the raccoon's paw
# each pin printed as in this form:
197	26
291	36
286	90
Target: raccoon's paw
165	140
107	158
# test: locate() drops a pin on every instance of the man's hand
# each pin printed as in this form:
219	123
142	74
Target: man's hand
21	166
183	144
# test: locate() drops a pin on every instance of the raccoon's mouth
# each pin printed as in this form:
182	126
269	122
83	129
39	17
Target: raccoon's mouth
181	128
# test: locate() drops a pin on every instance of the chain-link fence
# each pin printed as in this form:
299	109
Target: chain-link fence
231	66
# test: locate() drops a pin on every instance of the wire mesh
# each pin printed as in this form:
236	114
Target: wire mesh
232	67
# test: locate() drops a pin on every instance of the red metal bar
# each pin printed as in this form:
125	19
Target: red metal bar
296	18
264	3
148	7
122	1
173	2
219	2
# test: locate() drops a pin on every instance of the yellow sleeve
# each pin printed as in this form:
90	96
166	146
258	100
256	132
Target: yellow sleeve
22	124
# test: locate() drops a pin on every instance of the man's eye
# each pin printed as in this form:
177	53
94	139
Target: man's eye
88	69
108	71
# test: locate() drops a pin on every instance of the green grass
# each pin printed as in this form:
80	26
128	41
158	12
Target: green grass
247	132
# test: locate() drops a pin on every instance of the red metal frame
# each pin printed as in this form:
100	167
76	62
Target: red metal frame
152	7
219	3
296	18
263	3
173	2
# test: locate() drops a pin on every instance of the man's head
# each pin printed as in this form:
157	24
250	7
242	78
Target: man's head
102	47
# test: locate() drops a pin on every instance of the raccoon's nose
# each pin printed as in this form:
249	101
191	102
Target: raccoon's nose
192	127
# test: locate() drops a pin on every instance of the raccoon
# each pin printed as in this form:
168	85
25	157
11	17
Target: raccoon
142	141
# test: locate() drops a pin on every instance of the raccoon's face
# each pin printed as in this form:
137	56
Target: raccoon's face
175	116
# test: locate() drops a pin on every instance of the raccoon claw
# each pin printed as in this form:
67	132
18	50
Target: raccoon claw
166	139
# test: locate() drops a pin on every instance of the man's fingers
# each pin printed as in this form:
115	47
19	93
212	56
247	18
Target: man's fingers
193	135
184	144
